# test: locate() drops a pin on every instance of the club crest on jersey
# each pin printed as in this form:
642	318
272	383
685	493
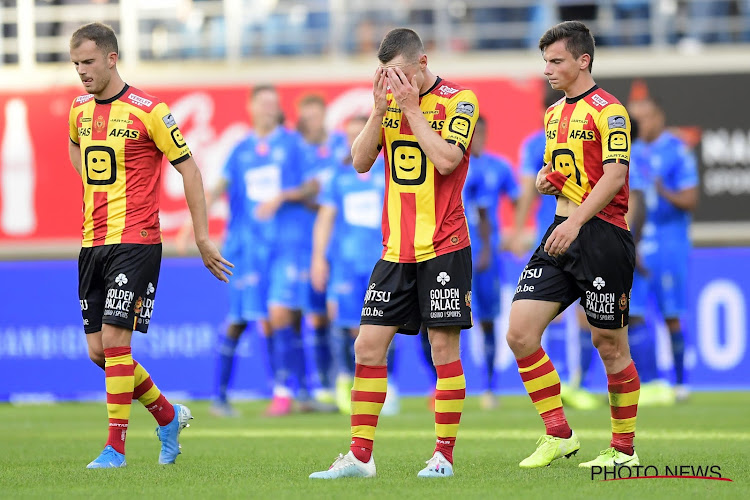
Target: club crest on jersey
623	302
99	123
564	124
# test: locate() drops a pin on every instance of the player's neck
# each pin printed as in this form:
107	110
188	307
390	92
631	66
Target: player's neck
113	88
264	131
581	84
429	81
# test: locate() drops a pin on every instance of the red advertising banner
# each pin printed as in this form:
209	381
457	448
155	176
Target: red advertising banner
40	192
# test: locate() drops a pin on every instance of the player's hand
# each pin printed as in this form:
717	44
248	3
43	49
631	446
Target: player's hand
182	238
543	185
405	93
319	273
380	90
561	238
484	259
213	260
640	266
517	244
266	210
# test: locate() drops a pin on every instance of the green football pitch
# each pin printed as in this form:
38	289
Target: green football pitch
44	451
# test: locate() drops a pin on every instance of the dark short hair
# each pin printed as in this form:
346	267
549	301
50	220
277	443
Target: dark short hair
261	88
400	41
101	34
578	39
308	99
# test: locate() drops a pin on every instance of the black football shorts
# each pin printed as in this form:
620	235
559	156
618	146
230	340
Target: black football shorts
597	268
117	285
435	292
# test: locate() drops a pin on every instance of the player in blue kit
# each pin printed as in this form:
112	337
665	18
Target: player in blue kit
347	241
323	151
531	157
489	177
664	245
262	180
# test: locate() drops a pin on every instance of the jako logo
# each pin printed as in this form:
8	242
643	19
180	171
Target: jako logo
443	278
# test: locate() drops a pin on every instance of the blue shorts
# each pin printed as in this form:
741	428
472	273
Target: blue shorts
347	291
248	285
666	283
485	294
286	270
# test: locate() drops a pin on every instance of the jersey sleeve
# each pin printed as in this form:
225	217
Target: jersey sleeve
163	130
73	125
687	171
614	128
461	115
532	154
508	184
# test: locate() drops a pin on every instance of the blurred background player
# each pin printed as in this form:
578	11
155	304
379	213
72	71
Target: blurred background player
489	177
671	196
258	169
347	229
322	152
531	158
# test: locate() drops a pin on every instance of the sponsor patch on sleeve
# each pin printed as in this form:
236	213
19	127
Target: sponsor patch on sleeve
617	121
169	121
465	108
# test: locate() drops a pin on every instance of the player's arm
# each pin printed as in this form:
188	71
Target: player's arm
366	147
322	231
684	199
212	196
444	155
192	182
74	152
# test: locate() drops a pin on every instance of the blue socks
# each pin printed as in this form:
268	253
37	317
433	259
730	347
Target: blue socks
643	351
678	351
489	357
282	347
587	352
323	356
557	348
224	366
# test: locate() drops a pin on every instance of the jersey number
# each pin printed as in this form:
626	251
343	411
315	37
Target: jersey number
564	161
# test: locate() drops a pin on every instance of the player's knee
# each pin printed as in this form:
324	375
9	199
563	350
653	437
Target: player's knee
608	347
97	357
368	352
518	340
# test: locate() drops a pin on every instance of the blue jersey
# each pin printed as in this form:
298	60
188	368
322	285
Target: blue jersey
257	170
319	163
489	177
532	160
671	163
358	199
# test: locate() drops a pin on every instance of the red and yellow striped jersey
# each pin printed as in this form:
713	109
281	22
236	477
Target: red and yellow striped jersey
423	214
123	141
583	134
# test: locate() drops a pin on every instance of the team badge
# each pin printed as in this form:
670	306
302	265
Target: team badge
99	123
623	302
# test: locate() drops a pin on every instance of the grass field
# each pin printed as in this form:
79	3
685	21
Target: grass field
44	451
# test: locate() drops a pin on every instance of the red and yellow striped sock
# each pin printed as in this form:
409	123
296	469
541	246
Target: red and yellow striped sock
118	376
150	396
450	394
368	395
624	388
543	385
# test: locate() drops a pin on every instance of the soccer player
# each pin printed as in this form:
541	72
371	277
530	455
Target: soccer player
490	177
263	166
424	126
323	152
118	137
587	252
532	159
347	234
664	247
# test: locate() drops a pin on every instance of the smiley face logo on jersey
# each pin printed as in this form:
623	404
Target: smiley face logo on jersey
618	141
408	163
177	137
100	165
563	161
